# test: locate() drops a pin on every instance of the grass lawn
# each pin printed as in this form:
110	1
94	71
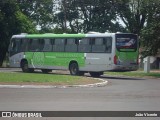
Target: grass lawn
44	79
135	74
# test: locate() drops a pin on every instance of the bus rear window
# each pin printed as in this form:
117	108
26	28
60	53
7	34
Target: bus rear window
126	42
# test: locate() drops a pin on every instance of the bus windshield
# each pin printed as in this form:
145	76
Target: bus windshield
126	42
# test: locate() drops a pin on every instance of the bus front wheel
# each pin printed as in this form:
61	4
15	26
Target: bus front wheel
96	74
73	68
25	68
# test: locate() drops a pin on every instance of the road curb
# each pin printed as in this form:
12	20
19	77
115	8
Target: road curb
99	84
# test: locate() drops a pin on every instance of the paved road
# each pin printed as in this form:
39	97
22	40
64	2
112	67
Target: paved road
121	94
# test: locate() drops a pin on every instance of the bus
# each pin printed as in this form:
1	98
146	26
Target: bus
79	53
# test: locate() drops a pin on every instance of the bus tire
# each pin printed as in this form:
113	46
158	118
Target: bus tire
74	69
46	70
25	68
96	74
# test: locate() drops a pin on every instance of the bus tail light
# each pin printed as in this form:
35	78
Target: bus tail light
115	59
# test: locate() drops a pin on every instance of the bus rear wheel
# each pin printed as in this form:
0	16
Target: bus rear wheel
74	69
25	68
96	74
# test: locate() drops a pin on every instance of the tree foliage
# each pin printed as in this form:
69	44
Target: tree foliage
133	13
151	32
142	17
39	11
88	15
12	21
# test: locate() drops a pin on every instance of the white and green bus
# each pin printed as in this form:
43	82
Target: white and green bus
78	53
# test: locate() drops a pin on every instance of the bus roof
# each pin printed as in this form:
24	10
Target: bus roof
50	35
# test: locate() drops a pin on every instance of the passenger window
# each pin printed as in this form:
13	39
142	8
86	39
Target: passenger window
108	43
59	41
71	45
59	45
47	45
36	44
71	41
41	44
84	45
98	45
23	45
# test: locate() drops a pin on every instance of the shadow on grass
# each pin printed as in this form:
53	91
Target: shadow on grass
50	73
121	78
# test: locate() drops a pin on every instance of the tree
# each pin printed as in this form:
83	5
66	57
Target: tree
41	12
88	15
12	21
97	14
67	17
151	32
133	13
142	17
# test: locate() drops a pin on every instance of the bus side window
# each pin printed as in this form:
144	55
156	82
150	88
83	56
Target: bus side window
23	45
29	44
108	43
47	45
84	45
59	44
34	45
98	45
76	41
52	41
41	43
93	41
15	45
71	45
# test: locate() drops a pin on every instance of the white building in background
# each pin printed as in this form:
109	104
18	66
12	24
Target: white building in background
154	61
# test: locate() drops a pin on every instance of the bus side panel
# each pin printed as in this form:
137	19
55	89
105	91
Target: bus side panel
29	58
15	60
63	59
97	62
53	60
35	59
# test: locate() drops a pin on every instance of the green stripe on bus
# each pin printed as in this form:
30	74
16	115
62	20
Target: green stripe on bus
55	36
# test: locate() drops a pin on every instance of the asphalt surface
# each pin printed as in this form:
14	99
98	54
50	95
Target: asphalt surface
121	94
